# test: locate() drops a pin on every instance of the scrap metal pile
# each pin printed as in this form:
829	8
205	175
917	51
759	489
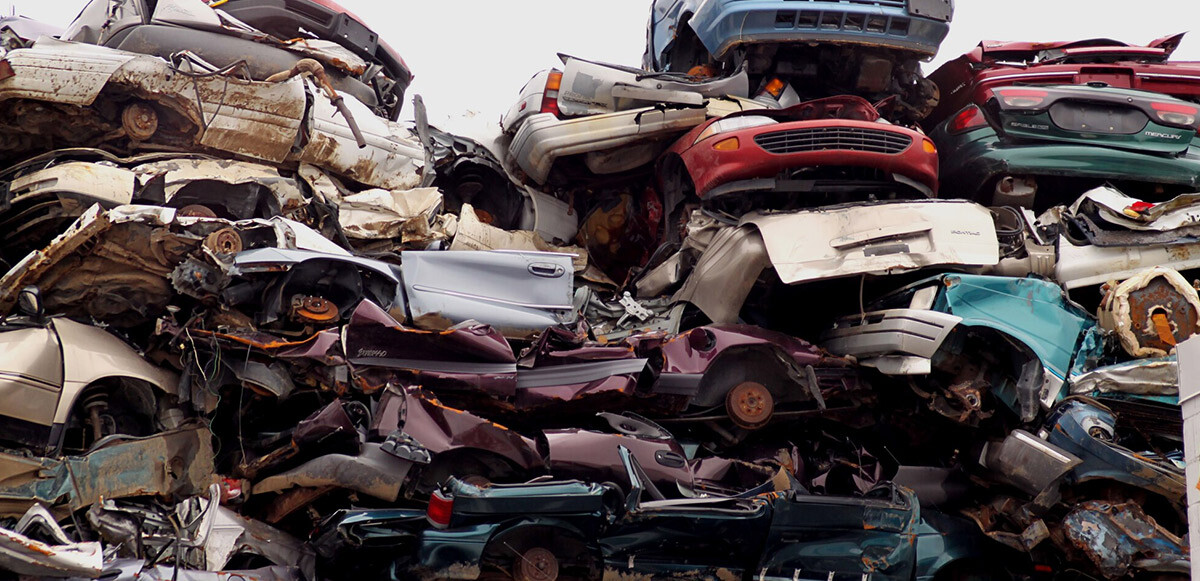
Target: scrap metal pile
773	306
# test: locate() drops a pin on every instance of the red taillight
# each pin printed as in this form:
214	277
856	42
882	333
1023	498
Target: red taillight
550	94
1175	113
967	119
1021	97
439	509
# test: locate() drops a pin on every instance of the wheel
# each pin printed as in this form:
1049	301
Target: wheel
536	564
749	405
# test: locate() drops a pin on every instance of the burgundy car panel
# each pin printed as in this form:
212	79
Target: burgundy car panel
440	428
969	78
593	456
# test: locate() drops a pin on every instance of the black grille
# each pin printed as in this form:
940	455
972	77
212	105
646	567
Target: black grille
826	138
895	3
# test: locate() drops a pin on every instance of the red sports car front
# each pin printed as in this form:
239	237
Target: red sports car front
837	142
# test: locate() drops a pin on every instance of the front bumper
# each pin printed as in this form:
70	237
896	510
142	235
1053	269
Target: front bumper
811	144
728	24
896	341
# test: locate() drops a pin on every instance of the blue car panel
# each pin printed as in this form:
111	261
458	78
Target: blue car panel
910	25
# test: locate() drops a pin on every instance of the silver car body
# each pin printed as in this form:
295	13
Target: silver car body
603	107
46	367
518	293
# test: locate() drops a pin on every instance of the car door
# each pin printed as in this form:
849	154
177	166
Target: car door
517	293
842	538
31	379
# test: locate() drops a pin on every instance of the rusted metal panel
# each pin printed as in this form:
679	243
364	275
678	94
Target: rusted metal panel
1121	538
175	464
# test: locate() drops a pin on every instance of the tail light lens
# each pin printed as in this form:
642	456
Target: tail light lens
550	94
967	119
775	87
1021	98
439	509
1175	114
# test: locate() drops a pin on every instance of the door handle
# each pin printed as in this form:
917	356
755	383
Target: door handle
546	270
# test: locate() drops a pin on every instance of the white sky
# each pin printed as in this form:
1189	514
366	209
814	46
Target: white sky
474	55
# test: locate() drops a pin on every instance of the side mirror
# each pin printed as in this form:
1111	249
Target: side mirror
29	302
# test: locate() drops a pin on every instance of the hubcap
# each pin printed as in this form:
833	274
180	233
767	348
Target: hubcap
749	405
536	564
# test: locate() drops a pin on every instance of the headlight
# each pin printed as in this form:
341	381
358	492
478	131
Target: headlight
733	124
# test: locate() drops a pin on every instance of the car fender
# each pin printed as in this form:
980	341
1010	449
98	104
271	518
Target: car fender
91	354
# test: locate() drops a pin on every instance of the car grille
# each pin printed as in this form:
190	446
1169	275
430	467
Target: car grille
826	138
839	20
895	3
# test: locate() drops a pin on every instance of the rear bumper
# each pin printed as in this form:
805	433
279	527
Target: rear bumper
710	168
970	166
543	138
725	25
897	341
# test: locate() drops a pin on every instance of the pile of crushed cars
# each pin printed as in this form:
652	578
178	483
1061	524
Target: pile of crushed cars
773	306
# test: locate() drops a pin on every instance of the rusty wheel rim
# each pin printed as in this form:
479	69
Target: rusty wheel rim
536	564
750	405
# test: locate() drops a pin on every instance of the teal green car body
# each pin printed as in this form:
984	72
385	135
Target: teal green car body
884	535
1030	143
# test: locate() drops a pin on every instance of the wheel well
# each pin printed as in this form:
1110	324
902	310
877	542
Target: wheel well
567	544
738	365
685	50
123	405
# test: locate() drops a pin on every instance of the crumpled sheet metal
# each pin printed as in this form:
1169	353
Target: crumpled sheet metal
1122	538
373	472
725	273
441	429
102	182
182	172
137	570
393	159
39	265
288	121
25	556
232	534
876	238
382	214
1129	311
1158	376
1116	208
177	463
473	234
115	264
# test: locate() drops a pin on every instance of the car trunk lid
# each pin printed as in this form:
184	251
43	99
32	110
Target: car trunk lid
1096	116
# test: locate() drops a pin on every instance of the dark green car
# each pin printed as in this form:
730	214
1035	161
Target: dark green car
1039	146
544	531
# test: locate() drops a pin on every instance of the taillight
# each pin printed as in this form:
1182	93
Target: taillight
550	94
967	119
775	87
439	509
1023	98
1175	113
